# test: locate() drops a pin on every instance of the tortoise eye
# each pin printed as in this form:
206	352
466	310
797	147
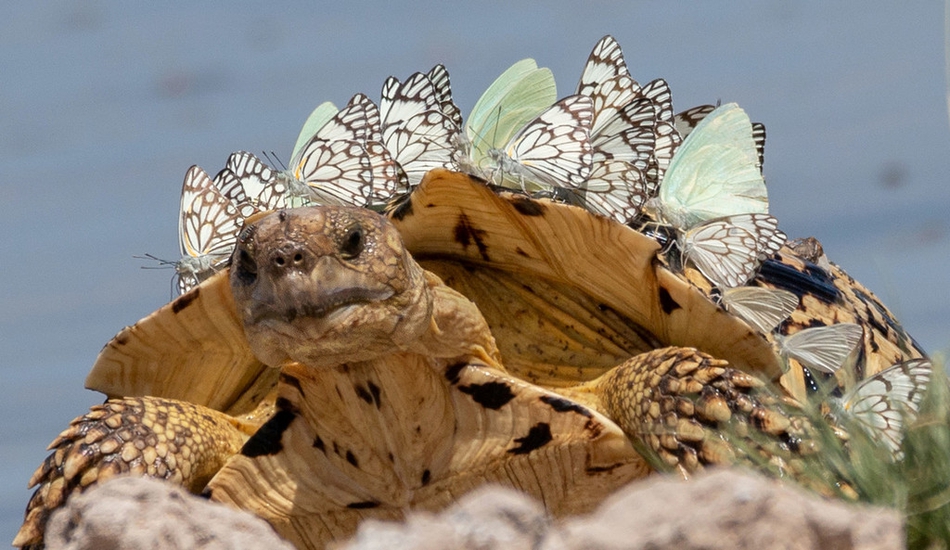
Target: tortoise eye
245	268
352	243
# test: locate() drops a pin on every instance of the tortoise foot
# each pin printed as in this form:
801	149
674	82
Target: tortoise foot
143	436
691	410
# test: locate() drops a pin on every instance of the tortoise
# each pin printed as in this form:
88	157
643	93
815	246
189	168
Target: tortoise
350	365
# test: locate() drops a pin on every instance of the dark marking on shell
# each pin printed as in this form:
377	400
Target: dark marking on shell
527	206
562	405
402	210
452	372
364	394
491	395
185	300
667	302
812	281
351	458
374	389
601	469
122	338
520	252
812	323
291	381
426	476
538	436
318	444
363	505
266	440
465	234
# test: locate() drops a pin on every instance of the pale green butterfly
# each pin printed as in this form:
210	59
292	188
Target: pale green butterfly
317	119
513	100
714	173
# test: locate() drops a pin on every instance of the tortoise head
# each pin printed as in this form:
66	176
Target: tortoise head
327	285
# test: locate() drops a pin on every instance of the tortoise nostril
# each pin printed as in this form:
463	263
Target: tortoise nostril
279	260
298	257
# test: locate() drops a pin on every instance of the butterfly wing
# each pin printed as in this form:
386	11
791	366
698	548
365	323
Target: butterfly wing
262	188
616	189
629	134
687	120
317	120
439	76
725	253
823	348
208	226
765	228
762	308
554	149
882	402
604	63
714	172
516	97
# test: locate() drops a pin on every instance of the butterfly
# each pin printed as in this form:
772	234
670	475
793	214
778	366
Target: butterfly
883	402
513	100
762	308
714	172
208	227
688	119
551	151
418	123
253	186
728	250
824	349
317	119
604	63
439	77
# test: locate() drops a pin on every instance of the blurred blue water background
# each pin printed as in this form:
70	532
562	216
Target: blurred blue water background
105	104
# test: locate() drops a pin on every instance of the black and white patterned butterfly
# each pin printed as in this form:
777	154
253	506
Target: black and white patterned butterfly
729	250
552	151
884	402
419	123
208	226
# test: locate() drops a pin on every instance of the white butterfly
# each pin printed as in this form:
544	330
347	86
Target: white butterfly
551	151
415	126
604	63
208	226
714	172
728	250
254	186
439	77
823	349
763	308
883	402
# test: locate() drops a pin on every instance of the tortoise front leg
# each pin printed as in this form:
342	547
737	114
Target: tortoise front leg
691	410
165	439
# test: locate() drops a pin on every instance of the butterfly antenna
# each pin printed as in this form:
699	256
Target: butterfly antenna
274	159
163	264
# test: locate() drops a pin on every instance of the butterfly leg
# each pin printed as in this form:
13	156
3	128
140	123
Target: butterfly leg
691	410
165	439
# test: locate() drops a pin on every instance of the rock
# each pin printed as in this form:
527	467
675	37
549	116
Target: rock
729	509
490	517
723	509
131	513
